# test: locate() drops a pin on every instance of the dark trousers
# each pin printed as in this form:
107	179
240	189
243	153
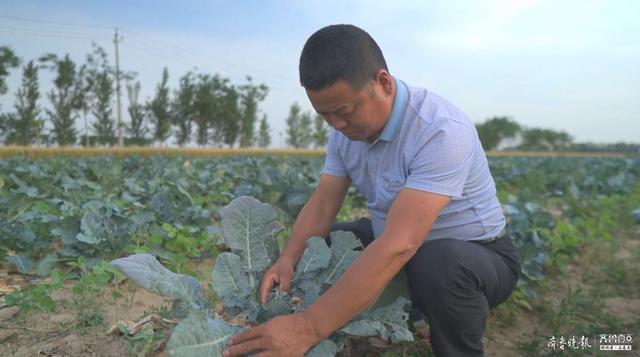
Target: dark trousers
454	283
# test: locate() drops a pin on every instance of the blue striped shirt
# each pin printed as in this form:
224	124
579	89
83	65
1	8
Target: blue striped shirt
427	144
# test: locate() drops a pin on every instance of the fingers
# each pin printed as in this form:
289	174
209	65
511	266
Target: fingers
285	284
247	335
267	284
244	348
262	354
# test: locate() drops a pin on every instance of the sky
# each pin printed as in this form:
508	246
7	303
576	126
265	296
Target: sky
571	65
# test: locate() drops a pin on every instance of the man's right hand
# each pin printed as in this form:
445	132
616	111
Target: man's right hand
280	273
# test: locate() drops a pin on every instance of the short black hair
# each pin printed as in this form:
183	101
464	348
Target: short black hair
340	52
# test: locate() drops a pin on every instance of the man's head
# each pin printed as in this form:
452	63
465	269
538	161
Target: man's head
347	80
340	52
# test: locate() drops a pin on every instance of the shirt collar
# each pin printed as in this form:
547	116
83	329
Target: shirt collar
397	111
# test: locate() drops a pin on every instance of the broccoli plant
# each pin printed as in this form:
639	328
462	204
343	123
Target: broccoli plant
249	228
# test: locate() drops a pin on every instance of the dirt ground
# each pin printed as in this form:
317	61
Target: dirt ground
507	329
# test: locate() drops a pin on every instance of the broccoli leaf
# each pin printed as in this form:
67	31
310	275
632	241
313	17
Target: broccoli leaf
389	322
342	255
23	264
317	256
249	228
199	335
147	272
230	283
324	348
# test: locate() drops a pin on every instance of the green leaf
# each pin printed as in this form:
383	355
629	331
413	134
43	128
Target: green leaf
145	270
230	283
46	264
324	348
249	228
142	218
92	228
317	256
24	264
22	232
389	323
199	335
342	255
278	304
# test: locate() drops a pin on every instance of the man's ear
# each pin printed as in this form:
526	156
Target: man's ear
385	80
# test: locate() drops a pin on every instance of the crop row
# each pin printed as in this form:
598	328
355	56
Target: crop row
55	210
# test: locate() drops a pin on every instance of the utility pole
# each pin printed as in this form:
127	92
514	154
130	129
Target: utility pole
117	39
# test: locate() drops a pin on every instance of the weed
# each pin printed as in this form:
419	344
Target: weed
86	291
38	297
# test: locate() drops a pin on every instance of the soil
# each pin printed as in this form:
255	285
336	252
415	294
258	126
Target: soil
60	337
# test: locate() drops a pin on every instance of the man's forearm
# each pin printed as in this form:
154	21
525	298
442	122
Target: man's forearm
363	282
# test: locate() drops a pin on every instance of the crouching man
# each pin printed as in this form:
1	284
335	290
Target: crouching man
417	160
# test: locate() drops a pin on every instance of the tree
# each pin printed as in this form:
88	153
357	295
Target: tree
320	132
136	130
25	124
293	124
159	109
305	135
216	111
203	107
8	60
230	114
104	126
494	130
182	108
264	137
250	96
536	139
101	77
298	127
62	115
83	98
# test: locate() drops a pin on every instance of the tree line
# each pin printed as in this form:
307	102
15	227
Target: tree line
205	109
503	133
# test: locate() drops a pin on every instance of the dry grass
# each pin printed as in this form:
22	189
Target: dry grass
558	154
43	152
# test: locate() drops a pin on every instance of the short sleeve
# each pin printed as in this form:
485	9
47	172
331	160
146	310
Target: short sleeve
442	161
333	164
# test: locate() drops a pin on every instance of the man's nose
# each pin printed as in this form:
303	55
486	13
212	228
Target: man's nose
336	122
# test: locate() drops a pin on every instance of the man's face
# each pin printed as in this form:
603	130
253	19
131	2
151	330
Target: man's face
359	115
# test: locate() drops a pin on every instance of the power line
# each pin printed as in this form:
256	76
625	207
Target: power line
53	32
154	52
162	50
45	34
165	45
143	43
207	59
196	62
181	49
178	59
60	23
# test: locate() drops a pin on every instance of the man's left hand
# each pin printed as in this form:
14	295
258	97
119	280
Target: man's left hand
289	335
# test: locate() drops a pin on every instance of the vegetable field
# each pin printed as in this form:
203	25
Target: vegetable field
150	255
